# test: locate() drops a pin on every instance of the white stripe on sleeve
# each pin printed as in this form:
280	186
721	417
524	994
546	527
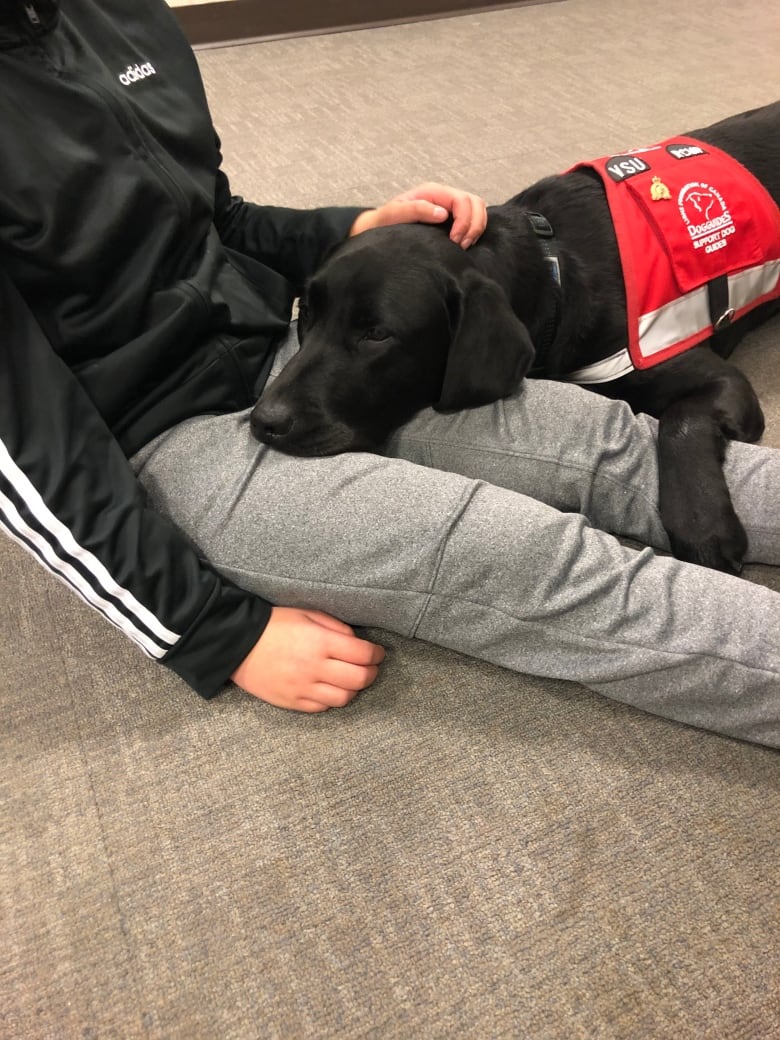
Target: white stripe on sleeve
101	582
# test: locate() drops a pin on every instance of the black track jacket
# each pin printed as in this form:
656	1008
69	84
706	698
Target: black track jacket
135	291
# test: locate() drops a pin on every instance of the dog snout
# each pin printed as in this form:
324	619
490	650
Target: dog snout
270	421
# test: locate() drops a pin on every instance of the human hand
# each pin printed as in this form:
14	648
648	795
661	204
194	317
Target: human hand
308	661
431	203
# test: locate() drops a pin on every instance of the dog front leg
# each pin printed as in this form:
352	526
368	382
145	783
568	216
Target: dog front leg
695	502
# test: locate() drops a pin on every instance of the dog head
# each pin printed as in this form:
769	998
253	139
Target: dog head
397	319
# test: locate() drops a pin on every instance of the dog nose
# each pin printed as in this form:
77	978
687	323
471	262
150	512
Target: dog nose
269	422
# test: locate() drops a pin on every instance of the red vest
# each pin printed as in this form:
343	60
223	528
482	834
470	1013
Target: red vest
699	242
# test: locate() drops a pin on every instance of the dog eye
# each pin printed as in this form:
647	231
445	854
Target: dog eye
376	334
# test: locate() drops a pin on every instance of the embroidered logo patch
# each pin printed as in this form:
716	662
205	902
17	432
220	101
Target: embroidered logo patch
685	151
621	167
705	215
135	72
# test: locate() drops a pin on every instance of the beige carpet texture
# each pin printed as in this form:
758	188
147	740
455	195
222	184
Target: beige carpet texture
463	853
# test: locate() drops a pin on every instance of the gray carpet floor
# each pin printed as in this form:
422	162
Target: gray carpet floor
463	853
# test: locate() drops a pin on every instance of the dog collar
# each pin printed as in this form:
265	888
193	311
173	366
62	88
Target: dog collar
545	235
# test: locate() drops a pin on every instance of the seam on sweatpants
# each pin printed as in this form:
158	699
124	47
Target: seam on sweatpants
600	641
453	519
593	473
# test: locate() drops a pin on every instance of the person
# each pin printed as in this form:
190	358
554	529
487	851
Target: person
144	308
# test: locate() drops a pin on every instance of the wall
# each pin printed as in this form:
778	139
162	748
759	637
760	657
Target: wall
221	21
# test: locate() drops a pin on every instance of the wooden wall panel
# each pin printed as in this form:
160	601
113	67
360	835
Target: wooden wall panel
213	23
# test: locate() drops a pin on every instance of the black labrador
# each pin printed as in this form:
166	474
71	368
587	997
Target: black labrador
400	318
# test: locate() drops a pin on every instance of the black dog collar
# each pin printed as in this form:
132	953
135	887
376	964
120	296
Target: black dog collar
545	235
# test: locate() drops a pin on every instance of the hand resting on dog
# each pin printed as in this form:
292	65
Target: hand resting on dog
430	203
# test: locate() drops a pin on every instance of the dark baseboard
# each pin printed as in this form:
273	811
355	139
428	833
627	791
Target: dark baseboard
243	20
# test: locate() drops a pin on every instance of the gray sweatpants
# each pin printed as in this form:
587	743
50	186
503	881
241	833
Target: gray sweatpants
492	532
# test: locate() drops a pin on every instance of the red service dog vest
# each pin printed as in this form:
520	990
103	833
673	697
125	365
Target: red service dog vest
699	242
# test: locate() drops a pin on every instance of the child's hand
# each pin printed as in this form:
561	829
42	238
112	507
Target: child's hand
308	661
431	203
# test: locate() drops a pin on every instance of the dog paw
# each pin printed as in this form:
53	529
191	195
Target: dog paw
721	546
747	426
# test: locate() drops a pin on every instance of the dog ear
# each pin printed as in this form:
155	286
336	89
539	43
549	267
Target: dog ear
490	350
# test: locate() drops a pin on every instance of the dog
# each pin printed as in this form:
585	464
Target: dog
400	318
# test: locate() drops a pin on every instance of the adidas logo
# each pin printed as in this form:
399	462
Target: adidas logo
135	72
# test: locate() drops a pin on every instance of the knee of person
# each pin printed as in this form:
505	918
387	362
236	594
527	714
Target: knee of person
616	428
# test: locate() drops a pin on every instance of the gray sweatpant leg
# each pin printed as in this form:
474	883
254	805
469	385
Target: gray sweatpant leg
578	452
480	562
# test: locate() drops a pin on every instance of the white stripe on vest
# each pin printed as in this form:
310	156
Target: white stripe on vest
679	320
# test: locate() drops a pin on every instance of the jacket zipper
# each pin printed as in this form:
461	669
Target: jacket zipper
125	117
133	130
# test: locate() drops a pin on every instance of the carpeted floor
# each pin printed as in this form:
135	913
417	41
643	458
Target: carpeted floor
463	853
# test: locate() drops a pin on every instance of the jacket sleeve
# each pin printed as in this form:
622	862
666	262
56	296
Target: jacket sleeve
69	496
293	242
